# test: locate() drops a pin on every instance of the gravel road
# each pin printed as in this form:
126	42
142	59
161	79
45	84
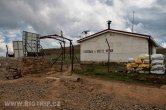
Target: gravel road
85	94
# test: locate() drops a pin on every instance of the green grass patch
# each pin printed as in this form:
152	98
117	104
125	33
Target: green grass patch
118	73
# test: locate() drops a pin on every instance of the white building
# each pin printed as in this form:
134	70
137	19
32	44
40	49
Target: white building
123	45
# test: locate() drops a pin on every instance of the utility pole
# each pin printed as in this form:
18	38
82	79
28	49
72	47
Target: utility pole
132	29
63	45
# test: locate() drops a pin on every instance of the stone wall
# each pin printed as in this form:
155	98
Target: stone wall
6	63
34	65
26	65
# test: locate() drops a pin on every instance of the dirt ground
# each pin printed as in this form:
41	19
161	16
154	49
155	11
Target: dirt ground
80	93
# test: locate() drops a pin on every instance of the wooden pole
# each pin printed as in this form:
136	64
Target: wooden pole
72	60
70	49
61	56
7	51
108	54
149	51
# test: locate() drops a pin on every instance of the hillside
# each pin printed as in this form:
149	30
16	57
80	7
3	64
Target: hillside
52	51
161	50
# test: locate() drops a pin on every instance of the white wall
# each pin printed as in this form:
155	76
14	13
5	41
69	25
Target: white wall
153	50
123	46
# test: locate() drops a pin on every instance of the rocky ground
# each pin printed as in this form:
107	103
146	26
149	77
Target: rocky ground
81	93
73	92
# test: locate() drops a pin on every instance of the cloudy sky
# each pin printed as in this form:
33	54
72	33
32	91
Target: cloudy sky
74	16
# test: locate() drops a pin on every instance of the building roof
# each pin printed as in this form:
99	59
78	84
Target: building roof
119	32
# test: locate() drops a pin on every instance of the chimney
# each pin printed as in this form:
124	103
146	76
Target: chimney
109	22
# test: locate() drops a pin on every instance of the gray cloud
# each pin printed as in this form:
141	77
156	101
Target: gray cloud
74	16
52	16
